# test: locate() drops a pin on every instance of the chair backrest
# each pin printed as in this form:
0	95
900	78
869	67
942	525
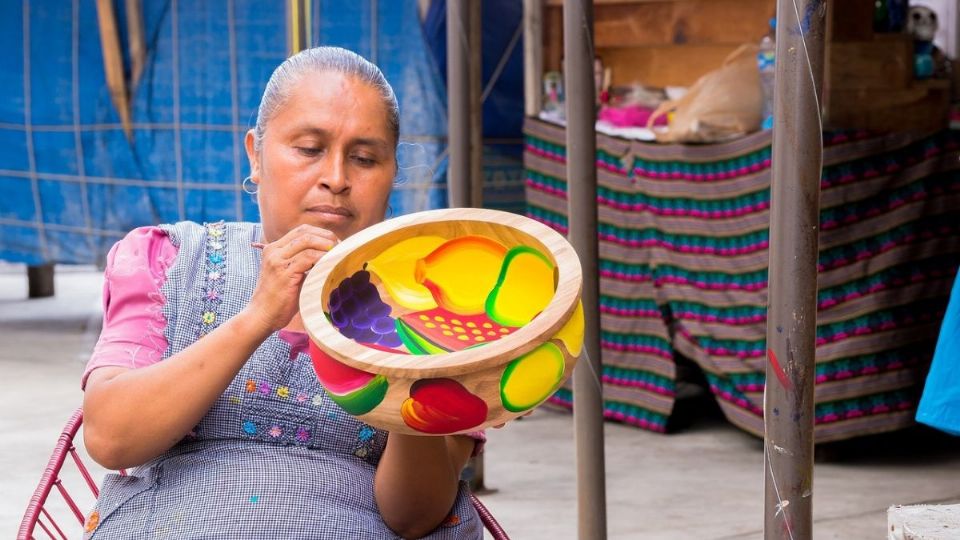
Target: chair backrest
40	514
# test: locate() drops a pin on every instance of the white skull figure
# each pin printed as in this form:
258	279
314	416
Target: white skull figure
922	23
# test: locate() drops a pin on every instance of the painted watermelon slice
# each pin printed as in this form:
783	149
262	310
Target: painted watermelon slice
439	330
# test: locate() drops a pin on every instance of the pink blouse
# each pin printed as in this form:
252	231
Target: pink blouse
133	321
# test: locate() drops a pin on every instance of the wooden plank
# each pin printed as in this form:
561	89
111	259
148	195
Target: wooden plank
670	65
851	20
923	107
683	22
886	62
113	64
532	56
552	38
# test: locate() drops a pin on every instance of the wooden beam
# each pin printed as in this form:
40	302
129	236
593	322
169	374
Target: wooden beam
532	57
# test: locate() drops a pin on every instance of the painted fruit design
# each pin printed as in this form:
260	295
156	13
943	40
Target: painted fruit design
354	390
461	272
357	311
530	379
438	331
447	295
533	377
524	287
396	268
441	406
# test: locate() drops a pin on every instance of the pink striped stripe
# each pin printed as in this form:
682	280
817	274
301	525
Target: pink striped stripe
636	313
702	177
650	387
646	349
702	250
887	246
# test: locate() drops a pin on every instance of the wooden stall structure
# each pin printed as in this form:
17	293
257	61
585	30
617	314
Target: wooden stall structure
868	76
685	231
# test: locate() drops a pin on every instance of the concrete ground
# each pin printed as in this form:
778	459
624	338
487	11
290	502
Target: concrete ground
704	482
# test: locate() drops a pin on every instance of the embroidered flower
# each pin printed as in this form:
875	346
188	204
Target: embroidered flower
251	385
366	433
209	317
212	294
303	434
275	431
301	397
283	392
215	231
452	521
361	452
217	246
216	258
318	400
214	276
92	521
264	388
234	400
249	428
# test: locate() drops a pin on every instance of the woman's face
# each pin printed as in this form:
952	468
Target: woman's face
327	158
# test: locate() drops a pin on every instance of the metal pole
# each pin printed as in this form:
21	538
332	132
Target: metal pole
532	57
582	206
794	228
475	41
458	104
476	103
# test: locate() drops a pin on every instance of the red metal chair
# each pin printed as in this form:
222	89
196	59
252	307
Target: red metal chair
38	513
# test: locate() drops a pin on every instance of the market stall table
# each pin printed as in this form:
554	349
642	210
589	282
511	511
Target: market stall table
684	251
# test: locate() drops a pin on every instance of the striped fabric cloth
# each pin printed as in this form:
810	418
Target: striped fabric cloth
684	249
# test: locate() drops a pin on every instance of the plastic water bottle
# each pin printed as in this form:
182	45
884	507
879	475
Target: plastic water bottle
766	62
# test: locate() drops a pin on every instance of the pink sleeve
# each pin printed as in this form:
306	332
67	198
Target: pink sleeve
133	321
479	441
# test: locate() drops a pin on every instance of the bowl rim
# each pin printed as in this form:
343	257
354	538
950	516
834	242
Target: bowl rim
322	332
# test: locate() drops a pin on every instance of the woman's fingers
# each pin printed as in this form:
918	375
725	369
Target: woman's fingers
285	261
304	260
280	255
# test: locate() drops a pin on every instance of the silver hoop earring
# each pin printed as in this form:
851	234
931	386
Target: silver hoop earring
249	186
389	211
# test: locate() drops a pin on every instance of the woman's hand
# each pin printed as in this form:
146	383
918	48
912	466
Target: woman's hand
285	264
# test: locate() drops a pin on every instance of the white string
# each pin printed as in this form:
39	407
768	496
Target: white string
813	80
776	490
585	358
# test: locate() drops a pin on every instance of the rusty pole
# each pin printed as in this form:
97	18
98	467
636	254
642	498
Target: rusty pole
582	207
792	313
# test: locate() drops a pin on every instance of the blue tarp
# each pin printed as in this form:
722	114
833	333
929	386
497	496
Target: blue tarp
70	182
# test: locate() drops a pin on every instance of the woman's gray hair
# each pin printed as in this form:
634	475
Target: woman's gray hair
319	60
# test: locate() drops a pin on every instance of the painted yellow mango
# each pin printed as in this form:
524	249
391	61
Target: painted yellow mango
571	335
462	272
396	268
530	379
524	287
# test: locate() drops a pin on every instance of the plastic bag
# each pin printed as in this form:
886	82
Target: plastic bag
724	104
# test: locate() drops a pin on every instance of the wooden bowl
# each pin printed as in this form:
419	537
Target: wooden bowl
447	321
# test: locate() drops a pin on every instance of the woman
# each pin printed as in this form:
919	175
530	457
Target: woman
231	434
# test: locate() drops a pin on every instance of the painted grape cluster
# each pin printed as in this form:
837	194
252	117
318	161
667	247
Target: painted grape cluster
357	311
